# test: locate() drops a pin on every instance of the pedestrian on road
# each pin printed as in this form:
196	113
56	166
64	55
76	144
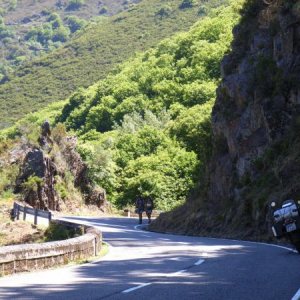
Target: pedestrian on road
139	208
149	207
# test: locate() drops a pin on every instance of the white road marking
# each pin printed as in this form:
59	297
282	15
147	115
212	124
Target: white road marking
272	245
146	235
199	262
176	273
297	296
241	241
136	288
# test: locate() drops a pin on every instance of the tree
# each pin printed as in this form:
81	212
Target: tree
75	4
187	4
74	23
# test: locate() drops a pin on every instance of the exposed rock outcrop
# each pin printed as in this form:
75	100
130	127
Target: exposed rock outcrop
42	180
255	125
39	172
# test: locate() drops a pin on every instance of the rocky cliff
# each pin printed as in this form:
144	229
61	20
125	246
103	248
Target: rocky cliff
52	174
256	122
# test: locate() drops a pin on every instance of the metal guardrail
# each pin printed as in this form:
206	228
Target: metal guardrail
17	209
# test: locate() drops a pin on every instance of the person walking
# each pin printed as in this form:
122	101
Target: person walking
149	207
139	208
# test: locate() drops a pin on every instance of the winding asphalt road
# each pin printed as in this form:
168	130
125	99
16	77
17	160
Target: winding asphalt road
146	265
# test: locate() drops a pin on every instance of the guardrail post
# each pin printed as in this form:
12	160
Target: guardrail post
24	213
18	212
49	217
35	216
14	212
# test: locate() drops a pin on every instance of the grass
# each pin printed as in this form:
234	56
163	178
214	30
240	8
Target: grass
90	56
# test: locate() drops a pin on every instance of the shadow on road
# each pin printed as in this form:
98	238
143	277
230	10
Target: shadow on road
155	258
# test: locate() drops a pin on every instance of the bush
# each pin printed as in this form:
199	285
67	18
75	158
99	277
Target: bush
57	232
187	4
103	10
32	183
75	4
74	23
164	11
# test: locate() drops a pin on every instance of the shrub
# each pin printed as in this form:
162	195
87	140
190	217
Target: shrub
57	232
75	4
32	183
187	4
103	10
74	23
164	11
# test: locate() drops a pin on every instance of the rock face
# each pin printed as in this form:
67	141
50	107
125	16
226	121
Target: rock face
42	180
256	111
41	193
255	125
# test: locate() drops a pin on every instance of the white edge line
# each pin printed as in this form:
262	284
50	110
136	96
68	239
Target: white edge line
231	240
297	295
273	245
136	227
199	262
136	288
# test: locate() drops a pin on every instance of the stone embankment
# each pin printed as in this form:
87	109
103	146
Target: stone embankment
30	257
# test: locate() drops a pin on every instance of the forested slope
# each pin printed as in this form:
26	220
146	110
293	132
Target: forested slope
146	129
29	29
93	53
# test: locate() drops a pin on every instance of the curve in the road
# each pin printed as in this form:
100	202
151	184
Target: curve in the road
150	265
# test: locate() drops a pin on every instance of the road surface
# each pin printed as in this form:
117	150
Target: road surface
146	265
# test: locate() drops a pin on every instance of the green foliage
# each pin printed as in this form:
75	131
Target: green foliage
8	175
32	183
193	128
164	11
145	129
5	32
95	50
59	133
74	23
61	189
187	4
184	69
166	175
103	10
57	232
75	4
54	30
13	4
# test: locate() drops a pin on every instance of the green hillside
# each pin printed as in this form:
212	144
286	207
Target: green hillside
29	29
93	53
146	128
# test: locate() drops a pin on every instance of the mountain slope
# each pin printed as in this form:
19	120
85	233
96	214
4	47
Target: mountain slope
93	54
29	29
145	129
